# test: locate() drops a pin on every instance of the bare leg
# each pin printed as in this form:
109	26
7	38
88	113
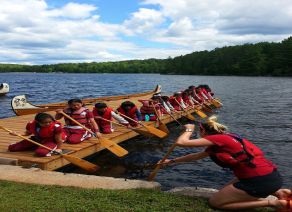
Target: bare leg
232	198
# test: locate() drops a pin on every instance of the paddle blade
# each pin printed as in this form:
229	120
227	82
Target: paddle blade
89	167
190	117
163	127
144	132
113	147
156	132
153	173
200	113
216	103
207	109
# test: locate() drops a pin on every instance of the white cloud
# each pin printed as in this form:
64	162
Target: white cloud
31	31
74	10
143	21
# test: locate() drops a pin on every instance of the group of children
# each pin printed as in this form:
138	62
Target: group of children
46	130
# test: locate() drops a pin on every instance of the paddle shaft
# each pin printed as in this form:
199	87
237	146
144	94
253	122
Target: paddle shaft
154	172
131	119
188	115
110	145
114	122
28	139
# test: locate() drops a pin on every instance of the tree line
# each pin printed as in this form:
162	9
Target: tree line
261	59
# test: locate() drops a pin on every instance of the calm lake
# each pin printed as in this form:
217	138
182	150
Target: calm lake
258	108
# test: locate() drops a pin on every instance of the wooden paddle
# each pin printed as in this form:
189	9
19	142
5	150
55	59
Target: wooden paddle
110	145
131	128
161	126
188	115
89	167
158	166
216	103
207	108
152	130
169	113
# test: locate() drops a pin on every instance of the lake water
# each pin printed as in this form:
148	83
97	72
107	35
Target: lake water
258	108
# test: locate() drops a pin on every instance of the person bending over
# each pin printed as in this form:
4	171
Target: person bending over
255	176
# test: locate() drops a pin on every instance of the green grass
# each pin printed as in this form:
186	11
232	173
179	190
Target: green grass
28	197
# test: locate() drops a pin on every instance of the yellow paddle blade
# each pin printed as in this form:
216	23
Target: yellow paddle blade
89	167
163	127
200	113
207	109
113	147
143	132
190	117
156	132
216	103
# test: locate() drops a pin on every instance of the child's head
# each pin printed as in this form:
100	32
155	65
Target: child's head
127	105
75	104
100	106
44	119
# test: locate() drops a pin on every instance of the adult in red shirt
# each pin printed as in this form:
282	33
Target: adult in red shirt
44	130
256	177
75	133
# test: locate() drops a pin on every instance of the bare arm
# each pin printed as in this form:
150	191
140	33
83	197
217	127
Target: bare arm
185	141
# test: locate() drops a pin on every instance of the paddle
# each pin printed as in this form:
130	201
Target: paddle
207	108
216	103
110	145
152	130
189	116
169	113
161	126
140	131
158	166
89	167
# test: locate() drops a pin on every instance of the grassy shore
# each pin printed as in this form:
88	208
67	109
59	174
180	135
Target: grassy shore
27	197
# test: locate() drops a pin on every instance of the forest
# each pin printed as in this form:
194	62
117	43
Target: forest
260	59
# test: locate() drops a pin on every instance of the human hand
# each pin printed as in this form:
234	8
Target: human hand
166	162
12	133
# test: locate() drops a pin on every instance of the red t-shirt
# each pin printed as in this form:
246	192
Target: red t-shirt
226	143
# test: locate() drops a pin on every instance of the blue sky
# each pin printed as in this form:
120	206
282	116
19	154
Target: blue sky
58	31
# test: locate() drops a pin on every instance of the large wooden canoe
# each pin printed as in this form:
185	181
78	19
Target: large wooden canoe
87	148
21	106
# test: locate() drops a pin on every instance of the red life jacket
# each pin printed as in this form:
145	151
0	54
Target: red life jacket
147	107
206	93
131	113
173	102
79	115
241	156
44	134
106	115
186	100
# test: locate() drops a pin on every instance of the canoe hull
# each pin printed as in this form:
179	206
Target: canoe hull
21	106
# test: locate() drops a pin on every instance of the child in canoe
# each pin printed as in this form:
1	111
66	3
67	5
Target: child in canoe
101	113
44	130
75	133
130	110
